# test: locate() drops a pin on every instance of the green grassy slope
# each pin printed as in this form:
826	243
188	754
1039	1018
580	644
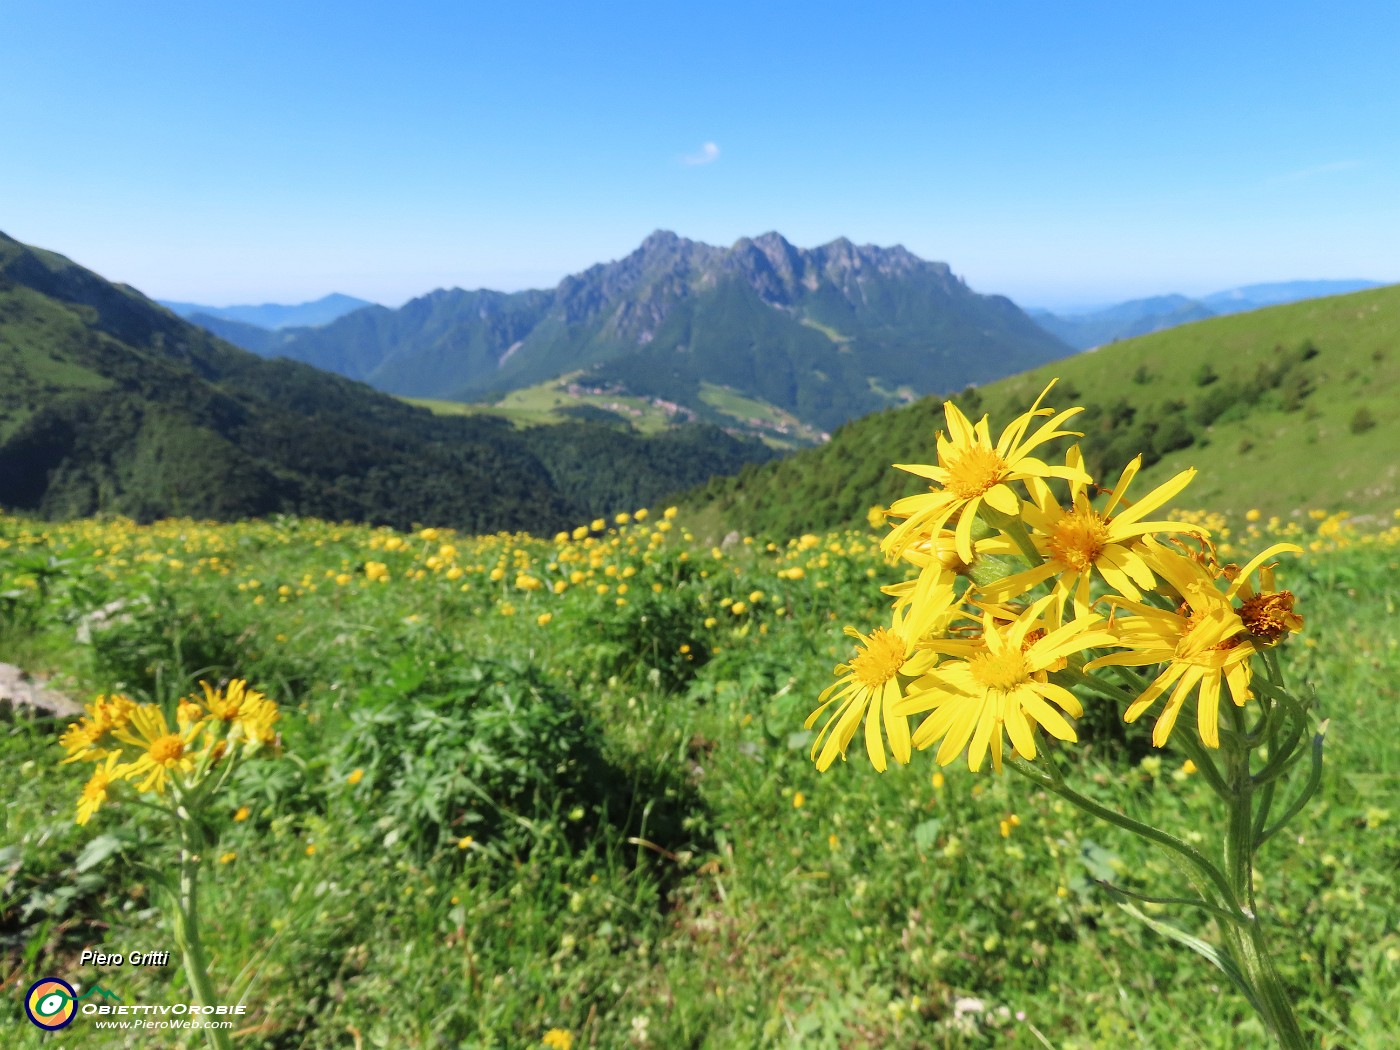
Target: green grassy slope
1283	408
565	399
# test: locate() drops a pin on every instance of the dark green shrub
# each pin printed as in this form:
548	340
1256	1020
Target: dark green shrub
1222	403
1174	433
652	636
1362	420
482	748
1294	390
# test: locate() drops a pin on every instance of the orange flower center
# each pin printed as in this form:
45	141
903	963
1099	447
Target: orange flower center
166	750
1078	538
880	660
975	470
1269	615
1004	670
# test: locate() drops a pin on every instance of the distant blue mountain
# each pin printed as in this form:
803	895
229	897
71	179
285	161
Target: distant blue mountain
273	316
1253	296
1091	328
1138	317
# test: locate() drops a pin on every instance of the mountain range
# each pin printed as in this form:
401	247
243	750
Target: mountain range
272	316
110	403
1089	328
823	334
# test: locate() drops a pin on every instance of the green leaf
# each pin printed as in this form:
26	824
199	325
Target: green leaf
926	834
800	740
97	851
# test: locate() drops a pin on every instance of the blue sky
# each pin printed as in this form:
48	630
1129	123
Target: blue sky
1058	153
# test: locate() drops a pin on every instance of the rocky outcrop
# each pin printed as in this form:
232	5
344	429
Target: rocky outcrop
19	692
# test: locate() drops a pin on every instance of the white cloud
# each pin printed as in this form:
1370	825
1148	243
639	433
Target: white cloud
709	153
1320	169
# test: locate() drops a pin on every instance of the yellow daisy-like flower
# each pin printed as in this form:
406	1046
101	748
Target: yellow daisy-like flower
104	716
1000	682
95	790
558	1039
972	471
80	741
1080	541
870	685
1267	613
248	710
162	752
188	712
1204	644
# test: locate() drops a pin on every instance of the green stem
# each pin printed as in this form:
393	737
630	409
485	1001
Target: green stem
1245	939
1014	528
187	939
1190	902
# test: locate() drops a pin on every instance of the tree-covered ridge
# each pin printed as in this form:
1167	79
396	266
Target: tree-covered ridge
1287	407
111	404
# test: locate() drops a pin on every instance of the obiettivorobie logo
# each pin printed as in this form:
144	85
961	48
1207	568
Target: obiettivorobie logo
52	1003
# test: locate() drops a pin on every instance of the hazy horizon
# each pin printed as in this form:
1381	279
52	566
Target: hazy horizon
1085	304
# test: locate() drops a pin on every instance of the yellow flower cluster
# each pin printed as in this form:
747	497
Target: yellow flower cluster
988	661
136	743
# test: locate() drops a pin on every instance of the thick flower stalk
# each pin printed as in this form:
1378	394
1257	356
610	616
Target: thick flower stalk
179	768
1095	594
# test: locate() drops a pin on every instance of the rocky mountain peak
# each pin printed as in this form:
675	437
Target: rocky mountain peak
662	240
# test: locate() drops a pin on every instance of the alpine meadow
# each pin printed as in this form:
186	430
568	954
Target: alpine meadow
714	526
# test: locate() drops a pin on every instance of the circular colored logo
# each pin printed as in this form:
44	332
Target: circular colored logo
50	1003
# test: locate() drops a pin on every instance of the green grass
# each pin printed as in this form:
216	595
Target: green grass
548	403
826	330
1280	410
777	428
1283	453
739	898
